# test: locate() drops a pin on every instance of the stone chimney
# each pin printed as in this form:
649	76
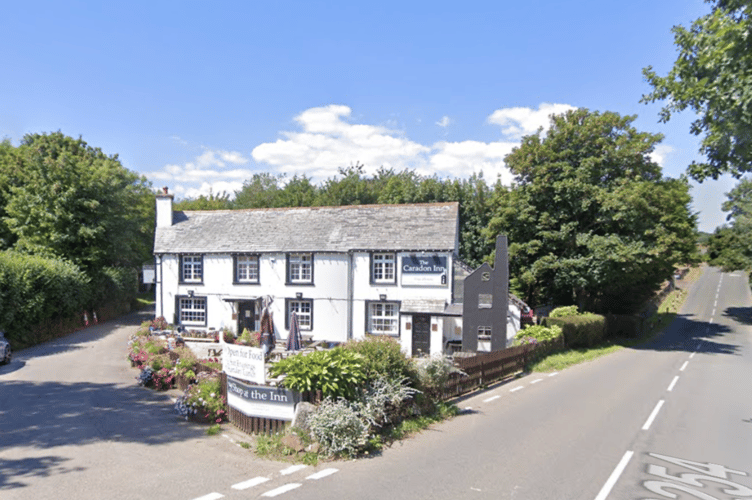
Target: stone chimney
164	208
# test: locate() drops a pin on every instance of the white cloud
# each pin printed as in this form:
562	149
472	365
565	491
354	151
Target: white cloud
444	122
462	159
518	122
660	153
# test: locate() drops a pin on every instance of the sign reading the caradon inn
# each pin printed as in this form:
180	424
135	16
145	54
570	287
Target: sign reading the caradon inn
261	401
424	270
246	363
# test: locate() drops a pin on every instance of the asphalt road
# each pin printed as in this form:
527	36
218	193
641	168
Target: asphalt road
640	423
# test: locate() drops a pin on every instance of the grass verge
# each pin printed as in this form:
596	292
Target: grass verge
659	321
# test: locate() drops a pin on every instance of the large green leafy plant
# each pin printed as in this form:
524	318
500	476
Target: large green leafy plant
336	372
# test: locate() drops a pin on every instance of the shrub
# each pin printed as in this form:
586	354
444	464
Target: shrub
585	330
433	374
250	339
564	311
383	400
383	357
339	428
203	399
623	325
539	333
336	373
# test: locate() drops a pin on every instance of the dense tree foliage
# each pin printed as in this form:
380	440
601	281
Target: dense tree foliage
592	222
713	77
60	197
730	247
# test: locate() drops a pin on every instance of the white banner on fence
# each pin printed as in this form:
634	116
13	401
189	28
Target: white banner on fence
261	401
246	363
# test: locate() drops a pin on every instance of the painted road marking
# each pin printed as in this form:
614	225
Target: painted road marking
250	483
692	355
614	476
673	383
553	374
536	381
683	366
282	489
291	469
652	416
323	473
491	399
518	388
210	496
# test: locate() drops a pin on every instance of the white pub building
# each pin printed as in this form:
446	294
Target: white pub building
347	272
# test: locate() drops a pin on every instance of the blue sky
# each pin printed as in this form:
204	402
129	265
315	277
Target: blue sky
200	95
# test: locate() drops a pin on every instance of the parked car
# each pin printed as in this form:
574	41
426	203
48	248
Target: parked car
5	352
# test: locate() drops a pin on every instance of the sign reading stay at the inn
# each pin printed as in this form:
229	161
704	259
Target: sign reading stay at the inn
424	270
246	363
261	401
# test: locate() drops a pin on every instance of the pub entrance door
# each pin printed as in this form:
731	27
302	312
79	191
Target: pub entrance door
421	335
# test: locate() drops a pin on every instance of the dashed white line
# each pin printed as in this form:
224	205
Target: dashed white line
210	496
291	469
614	476
536	381
282	489
673	383
553	374
323	473
683	366
713	313
250	483
692	355
518	388
491	399
652	416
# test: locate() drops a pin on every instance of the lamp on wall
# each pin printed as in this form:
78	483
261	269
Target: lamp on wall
299	295
190	293
382	296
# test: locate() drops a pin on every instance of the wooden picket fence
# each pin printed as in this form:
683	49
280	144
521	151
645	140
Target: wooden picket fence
480	369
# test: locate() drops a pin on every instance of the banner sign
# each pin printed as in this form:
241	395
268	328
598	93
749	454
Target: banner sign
244	362
261	401
429	270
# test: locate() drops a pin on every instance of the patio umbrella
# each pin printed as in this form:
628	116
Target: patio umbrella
294	341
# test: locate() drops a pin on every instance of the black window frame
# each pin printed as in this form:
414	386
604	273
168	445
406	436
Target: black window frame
183	281
369	303
288	280
372	262
288	312
235	279
179	310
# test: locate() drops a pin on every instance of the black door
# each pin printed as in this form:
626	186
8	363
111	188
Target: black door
246	316
421	335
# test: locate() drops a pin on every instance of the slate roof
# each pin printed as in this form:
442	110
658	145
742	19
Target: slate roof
413	227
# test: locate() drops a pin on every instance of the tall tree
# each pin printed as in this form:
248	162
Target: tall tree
713	77
730	247
75	202
592	221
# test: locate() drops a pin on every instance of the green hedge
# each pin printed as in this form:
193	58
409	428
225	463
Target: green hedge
623	325
585	330
43	297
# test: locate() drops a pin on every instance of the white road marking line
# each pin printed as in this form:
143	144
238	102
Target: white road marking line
652	416
614	476
250	483
713	313
282	489
536	381
323	473
291	469
518	388
683	366
553	374
491	398
692	355
673	383
210	496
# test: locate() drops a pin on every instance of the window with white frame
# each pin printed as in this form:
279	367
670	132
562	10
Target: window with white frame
192	268
300	268
246	269
485	301
303	309
383	268
383	318
192	310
